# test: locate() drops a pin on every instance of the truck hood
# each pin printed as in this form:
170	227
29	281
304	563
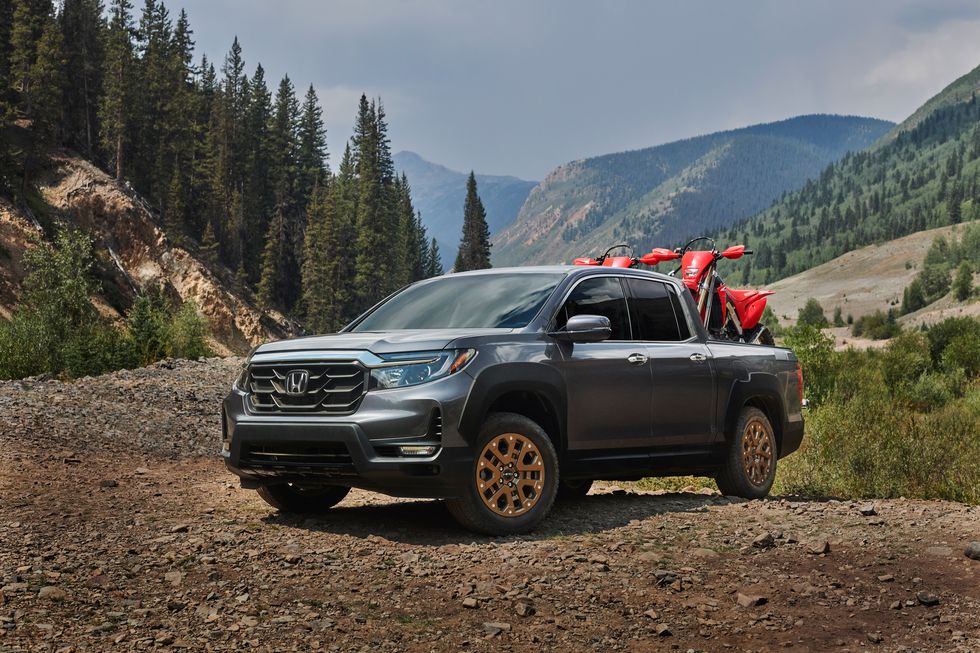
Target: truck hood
378	342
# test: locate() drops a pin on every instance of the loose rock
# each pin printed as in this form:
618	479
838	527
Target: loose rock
750	600
818	547
494	628
927	599
51	593
973	551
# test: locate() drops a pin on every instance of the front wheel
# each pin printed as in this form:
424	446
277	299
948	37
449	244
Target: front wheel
512	484
750	463
288	497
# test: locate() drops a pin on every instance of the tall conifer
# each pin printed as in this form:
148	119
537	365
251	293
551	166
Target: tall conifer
115	108
474	248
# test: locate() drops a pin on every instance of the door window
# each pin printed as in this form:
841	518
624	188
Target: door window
653	312
598	296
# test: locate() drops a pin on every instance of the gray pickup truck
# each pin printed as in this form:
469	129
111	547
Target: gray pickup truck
502	390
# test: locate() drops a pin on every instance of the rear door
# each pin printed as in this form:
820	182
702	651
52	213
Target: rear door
682	388
608	383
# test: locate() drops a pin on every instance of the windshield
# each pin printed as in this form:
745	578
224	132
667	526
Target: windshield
483	301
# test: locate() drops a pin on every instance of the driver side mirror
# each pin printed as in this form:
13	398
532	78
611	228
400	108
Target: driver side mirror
585	328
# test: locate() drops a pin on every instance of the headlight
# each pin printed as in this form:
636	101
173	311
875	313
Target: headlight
413	368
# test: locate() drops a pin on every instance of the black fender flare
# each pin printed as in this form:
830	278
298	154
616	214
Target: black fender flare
494	381
759	386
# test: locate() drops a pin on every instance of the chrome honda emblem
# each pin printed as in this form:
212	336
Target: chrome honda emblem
296	382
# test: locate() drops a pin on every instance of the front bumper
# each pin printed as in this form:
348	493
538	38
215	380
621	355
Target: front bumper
357	450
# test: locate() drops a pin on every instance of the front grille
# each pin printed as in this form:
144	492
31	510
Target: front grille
322	459
334	388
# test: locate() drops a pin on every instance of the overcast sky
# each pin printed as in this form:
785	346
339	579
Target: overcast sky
520	86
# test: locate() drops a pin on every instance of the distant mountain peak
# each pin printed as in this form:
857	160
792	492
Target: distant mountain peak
661	194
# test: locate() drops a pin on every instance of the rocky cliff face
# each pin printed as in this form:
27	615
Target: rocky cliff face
135	251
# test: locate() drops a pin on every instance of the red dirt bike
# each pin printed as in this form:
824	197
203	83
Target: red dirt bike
727	313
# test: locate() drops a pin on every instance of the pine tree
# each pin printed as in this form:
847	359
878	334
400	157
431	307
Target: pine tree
209	246
419	244
27	24
260	199
205	194
82	27
372	276
405	243
47	74
284	170
229	147
474	247
327	267
275	262
312	145
6	22
434	260
176	209
115	109
178	128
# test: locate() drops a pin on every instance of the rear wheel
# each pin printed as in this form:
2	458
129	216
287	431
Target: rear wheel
573	490
750	463
514	478
288	497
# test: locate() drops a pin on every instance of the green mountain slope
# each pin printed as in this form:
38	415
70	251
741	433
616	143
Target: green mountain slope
924	174
661	194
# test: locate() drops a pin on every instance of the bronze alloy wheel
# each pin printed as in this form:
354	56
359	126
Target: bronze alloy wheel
758	447
510	475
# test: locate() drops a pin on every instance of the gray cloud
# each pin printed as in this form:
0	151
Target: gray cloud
510	87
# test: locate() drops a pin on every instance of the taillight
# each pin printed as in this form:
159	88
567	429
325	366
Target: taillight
799	381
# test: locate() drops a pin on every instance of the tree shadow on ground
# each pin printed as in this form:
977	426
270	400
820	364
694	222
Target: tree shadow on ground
428	522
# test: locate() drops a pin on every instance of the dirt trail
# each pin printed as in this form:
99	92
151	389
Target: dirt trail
117	532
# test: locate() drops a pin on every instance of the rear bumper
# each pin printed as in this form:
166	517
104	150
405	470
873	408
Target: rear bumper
359	450
792	438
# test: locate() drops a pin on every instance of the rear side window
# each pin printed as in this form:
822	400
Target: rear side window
598	296
654	312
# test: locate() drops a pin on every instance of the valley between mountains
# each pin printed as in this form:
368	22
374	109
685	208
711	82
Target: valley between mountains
121	530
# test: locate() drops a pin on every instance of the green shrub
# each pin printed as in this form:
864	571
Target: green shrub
935	281
905	359
147	322
913	298
56	329
870	447
940	335
962	354
811	314
963	284
815	352
930	391
877	326
187	334
900	421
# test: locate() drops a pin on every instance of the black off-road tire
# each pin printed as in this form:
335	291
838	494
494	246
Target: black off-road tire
750	462
569	491
473	511
287	497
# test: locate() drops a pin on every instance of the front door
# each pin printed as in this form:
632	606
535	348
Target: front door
608	383
682	397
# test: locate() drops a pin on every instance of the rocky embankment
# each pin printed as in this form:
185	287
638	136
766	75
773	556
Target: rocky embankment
120	530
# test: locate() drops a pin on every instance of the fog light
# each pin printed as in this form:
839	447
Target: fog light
416	450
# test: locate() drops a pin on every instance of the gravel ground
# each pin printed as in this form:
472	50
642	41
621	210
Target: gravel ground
120	530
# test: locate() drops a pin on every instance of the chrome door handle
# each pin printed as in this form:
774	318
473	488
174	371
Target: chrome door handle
636	359
698	357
